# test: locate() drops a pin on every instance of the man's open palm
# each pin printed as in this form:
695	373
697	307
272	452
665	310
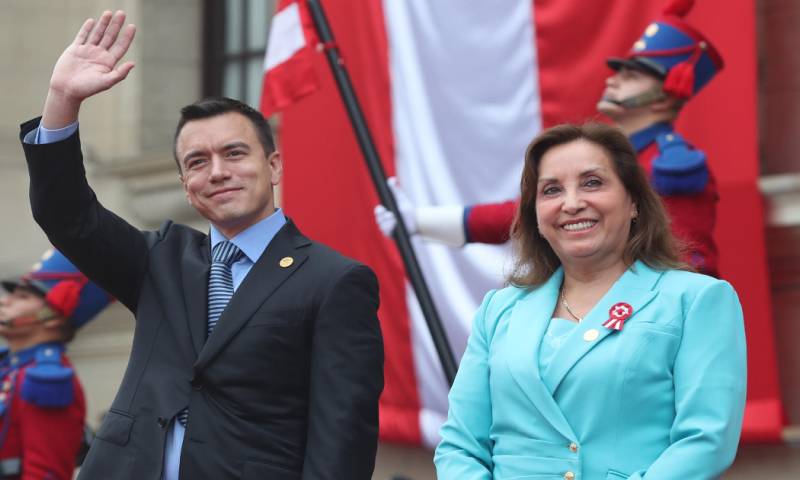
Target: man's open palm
89	65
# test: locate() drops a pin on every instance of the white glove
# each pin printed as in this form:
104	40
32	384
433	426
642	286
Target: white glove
387	221
442	224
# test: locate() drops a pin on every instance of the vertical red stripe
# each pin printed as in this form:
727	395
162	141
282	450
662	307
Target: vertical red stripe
328	192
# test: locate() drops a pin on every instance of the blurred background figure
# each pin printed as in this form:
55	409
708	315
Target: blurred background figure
42	405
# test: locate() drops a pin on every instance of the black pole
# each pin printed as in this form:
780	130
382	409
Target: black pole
375	167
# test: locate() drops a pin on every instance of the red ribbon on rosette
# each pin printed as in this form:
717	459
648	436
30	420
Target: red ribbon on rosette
617	315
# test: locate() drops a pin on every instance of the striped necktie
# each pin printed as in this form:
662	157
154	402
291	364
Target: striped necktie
220	291
220	280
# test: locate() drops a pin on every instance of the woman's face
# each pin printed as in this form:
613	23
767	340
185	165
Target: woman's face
583	209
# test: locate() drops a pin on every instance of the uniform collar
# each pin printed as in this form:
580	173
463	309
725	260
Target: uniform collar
641	139
27	355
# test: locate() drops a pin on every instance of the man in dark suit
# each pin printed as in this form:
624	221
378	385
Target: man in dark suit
257	352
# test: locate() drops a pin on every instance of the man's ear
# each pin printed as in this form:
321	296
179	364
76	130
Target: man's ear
60	326
54	323
668	104
185	189
276	167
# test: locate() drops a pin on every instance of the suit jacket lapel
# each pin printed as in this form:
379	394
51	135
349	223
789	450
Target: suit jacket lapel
261	282
196	265
527	325
634	287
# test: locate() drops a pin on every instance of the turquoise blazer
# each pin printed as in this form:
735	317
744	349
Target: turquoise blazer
662	398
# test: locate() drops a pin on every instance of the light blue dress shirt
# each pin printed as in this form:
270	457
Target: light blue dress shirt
251	241
41	135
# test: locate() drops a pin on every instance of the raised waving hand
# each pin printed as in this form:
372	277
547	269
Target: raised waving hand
89	65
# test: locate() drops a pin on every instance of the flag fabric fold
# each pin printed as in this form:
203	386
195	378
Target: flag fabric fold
289	71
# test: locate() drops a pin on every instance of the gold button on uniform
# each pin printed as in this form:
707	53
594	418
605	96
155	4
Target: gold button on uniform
573	447
286	262
591	335
569	476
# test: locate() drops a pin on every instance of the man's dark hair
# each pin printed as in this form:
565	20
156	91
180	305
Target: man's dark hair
211	107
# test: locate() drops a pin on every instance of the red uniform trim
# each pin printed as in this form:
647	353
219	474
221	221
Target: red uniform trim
490	223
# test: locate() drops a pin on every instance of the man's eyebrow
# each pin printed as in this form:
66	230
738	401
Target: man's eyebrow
192	154
236	144
228	146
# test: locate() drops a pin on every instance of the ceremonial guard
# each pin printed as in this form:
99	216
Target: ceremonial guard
42	406
668	65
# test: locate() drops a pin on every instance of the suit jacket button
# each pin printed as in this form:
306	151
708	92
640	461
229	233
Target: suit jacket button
573	447
162	422
591	335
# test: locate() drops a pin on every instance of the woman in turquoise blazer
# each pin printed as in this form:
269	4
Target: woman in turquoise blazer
605	358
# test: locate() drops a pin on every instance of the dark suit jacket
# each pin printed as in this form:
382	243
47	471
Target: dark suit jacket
286	387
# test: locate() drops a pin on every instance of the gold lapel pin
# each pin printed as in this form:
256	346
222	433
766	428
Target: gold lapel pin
286	262
591	335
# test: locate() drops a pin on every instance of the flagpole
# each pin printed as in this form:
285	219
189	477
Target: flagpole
375	167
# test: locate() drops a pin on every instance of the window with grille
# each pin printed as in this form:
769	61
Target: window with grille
235	39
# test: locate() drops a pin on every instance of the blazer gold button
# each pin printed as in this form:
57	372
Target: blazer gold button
591	335
573	447
286	262
569	476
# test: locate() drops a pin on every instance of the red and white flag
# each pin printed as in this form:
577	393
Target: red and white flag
289	73
453	93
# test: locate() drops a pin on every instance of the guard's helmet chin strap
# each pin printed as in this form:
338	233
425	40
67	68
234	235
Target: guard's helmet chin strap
44	314
647	97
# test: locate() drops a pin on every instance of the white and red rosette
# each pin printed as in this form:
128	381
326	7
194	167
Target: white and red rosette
617	314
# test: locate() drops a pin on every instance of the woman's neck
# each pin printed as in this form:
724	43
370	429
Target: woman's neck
584	286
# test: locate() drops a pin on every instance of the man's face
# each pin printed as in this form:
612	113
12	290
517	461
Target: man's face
625	83
226	174
22	303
